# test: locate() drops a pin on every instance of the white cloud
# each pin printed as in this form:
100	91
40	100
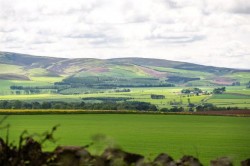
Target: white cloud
211	32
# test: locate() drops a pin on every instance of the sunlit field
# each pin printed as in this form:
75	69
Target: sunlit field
206	137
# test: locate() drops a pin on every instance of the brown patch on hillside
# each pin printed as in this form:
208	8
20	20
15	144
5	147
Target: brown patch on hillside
153	72
222	81
70	66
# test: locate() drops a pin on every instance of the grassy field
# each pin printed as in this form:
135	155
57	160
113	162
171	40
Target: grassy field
206	137
4	68
34	81
5	85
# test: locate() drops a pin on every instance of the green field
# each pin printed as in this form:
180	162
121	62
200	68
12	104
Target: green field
234	97
34	81
206	137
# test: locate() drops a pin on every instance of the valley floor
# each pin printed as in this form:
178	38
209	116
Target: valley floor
235	96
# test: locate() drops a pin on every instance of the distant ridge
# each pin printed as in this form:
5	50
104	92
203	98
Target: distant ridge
26	59
173	71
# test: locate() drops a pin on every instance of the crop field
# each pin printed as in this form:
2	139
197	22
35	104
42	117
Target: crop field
206	137
234	97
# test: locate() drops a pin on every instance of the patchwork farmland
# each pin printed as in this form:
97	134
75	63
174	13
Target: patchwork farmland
159	102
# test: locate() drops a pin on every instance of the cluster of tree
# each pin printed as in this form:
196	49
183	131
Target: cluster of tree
108	99
205	107
219	90
236	83
225	108
148	85
248	85
26	91
111	82
14	87
122	90
153	96
211	107
126	84
131	105
191	90
173	109
179	79
37	89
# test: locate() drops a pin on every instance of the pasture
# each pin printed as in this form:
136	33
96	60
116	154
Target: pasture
205	137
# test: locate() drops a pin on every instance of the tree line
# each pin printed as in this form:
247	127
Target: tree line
108	99
111	82
14	87
128	105
191	90
154	96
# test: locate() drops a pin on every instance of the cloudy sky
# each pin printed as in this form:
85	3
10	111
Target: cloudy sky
210	32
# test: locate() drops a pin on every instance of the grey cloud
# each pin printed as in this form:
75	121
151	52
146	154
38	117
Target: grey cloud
13	47
171	3
242	9
42	41
97	38
231	6
6	29
237	55
8	39
177	39
139	19
7	13
45	32
107	41
86	35
68	11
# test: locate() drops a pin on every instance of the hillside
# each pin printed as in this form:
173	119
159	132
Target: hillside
119	72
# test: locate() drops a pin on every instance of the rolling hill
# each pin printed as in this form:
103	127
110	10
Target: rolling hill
118	72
